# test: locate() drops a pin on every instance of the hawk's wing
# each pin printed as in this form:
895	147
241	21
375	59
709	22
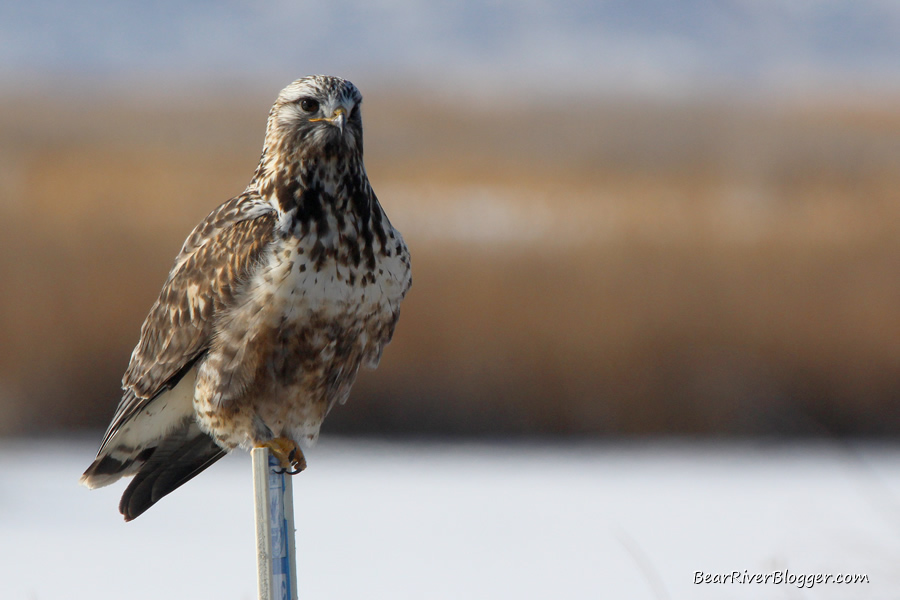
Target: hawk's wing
213	263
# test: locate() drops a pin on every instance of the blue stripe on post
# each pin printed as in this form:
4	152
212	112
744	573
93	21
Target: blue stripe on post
278	525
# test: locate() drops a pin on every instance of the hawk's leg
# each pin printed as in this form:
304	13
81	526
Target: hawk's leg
288	454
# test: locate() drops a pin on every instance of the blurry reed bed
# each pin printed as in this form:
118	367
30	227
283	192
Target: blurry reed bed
630	267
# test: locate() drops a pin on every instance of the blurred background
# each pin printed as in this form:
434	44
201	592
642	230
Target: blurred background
655	321
625	217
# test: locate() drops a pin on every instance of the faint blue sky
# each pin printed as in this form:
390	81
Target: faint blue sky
615	45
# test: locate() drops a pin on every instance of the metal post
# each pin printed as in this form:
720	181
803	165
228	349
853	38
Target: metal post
273	502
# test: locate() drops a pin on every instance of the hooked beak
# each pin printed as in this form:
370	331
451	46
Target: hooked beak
337	119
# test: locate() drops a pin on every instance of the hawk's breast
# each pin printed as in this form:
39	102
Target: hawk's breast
314	310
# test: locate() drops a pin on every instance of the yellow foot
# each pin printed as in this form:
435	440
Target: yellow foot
288	454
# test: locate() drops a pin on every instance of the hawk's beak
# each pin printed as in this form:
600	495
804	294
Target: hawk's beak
337	119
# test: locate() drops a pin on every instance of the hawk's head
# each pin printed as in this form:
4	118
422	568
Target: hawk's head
319	116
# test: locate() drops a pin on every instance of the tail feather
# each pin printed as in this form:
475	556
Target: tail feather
159	442
178	458
112	465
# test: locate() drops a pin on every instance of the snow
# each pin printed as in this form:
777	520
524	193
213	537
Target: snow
379	519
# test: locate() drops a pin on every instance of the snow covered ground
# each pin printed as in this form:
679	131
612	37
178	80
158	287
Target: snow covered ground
469	521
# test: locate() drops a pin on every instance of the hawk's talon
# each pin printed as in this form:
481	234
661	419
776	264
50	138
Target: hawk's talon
283	471
288	454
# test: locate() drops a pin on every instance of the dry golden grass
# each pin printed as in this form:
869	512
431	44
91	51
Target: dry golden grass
636	267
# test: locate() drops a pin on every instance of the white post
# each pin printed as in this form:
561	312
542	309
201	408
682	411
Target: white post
273	501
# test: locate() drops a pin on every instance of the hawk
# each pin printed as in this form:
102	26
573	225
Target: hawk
274	302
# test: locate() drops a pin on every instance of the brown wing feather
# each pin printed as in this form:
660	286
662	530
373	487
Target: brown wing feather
214	262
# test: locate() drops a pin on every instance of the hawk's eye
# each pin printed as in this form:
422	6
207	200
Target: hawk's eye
309	105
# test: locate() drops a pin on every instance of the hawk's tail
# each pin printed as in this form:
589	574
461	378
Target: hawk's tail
157	470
